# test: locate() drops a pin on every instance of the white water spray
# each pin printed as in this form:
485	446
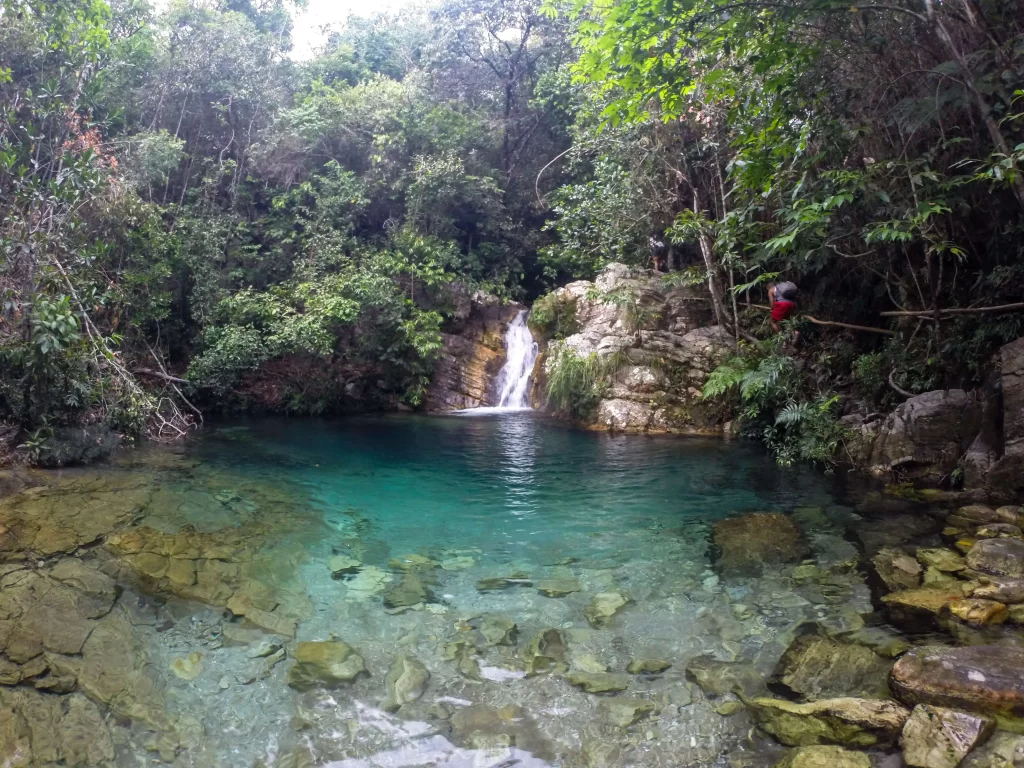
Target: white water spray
521	350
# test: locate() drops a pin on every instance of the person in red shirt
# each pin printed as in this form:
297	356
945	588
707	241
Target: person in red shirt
782	300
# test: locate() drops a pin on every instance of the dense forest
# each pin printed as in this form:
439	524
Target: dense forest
192	220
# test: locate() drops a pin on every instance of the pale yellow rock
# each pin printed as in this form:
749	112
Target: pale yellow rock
604	607
188	667
324	663
978	611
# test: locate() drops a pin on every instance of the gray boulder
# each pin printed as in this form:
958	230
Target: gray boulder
925	437
998	557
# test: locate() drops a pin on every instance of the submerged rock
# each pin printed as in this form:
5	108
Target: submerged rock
598	682
412	589
62	517
648	666
342	565
42	730
936	737
215	568
463	653
488	728
933	577
459	563
405	682
824	757
999	531
718	678
545	652
603	608
587	662
748	542
327	663
972	515
998	557
558	587
188	667
624	712
854	722
895	570
369	581
496	630
496	583
818	667
977	678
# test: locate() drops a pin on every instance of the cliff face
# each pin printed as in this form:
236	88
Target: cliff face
474	351
657	344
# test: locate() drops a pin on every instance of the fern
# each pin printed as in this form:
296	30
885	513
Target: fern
775	405
575	383
793	413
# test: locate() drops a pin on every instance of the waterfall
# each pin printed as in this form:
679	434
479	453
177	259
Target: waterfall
513	383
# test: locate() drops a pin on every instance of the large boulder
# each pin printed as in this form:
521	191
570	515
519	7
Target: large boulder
747	543
925	437
659	344
983	678
818	667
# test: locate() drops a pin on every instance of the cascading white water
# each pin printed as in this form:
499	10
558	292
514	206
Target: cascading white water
513	383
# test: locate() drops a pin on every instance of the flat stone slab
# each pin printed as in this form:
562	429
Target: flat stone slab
977	678
853	722
936	737
919	608
824	757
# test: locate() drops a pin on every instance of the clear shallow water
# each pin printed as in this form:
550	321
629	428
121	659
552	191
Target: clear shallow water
463	499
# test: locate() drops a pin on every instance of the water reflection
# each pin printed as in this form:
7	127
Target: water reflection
517	438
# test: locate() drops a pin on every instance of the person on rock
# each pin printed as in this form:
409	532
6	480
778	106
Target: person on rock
782	300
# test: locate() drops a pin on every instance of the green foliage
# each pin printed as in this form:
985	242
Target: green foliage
574	382
795	425
553	319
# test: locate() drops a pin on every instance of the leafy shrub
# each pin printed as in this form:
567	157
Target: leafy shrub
553	319
795	425
65	446
575	382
